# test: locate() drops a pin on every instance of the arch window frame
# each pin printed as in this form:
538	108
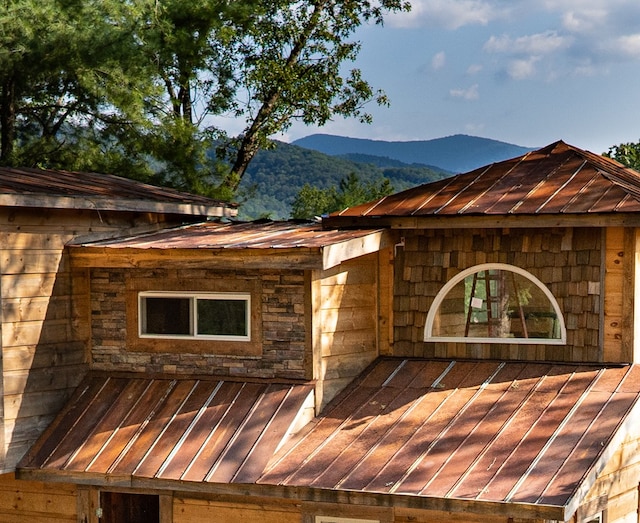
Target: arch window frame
442	294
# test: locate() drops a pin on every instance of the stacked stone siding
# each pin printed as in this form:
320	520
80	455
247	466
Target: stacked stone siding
283	348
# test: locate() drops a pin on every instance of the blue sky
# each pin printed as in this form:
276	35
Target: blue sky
528	72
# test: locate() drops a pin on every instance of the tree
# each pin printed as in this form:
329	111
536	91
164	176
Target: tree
131	86
312	201
626	153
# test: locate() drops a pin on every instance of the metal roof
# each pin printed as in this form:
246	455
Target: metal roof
518	435
198	430
30	187
234	236
483	431
557	179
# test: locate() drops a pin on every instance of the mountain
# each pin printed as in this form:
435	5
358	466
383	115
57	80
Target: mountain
275	176
456	154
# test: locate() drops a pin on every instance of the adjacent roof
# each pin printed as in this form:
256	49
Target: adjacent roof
194	430
462	432
557	179
78	190
525	438
314	245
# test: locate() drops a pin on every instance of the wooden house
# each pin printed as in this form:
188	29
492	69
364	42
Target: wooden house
43	333
462	351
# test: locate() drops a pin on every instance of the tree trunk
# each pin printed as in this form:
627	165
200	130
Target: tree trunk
7	120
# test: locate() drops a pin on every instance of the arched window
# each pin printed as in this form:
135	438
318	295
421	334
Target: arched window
495	303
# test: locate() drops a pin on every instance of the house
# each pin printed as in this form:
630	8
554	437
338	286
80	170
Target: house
464	351
44	337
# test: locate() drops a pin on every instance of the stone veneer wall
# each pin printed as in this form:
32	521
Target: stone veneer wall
568	261
281	300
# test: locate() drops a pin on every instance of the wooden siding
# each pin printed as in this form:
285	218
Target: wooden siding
568	261
44	327
346	328
279	338
36	502
186	510
618	485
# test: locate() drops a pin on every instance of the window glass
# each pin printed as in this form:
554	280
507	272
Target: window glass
498	303
200	315
166	315
222	317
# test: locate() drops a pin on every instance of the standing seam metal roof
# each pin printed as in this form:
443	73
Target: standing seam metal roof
557	179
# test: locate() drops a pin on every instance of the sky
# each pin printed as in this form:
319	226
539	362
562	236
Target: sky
526	72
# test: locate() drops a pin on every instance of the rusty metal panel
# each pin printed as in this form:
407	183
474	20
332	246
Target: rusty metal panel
558	178
255	235
486	431
50	182
169	428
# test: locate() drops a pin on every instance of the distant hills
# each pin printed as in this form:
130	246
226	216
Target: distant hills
275	176
456	154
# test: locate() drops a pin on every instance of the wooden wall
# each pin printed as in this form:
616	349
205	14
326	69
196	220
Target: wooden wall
569	261
618	486
43	326
36	502
350	321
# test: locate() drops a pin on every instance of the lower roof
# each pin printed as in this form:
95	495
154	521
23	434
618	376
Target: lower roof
525	438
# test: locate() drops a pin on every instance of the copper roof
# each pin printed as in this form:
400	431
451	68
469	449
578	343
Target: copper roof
503	432
55	188
234	236
201	430
460	433
557	179
314	246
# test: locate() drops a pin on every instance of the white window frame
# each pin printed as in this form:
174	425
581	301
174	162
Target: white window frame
431	316
193	310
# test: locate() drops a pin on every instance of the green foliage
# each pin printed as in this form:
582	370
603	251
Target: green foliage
276	176
351	191
131	86
626	153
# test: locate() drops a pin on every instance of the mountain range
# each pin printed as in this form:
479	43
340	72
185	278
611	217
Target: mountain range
275	176
457	153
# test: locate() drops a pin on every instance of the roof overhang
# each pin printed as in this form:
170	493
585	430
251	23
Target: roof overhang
144	252
487	221
97	203
419	434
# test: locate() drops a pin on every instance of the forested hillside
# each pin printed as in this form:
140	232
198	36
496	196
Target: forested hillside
458	153
275	177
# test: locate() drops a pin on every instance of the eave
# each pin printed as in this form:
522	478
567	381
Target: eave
304	256
487	221
114	204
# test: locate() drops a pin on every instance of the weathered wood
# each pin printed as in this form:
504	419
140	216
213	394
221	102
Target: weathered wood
36	502
201	511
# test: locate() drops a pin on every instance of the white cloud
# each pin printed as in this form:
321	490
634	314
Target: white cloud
470	93
438	61
628	45
521	69
449	14
539	43
474	69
